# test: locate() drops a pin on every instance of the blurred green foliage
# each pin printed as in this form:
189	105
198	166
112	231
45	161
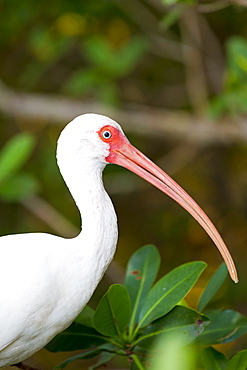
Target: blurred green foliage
15	184
233	99
108	66
93	50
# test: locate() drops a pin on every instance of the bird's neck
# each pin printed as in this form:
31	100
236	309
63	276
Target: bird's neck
98	237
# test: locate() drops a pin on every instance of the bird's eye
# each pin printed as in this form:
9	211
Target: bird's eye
106	134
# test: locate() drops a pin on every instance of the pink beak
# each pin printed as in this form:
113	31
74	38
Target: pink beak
129	157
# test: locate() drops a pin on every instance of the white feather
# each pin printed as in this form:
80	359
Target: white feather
46	280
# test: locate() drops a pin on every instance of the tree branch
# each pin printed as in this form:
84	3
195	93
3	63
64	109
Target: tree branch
154	122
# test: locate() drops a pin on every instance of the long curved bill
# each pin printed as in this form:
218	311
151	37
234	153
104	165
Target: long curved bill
131	158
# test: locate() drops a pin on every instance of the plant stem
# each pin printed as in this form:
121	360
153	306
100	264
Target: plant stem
137	362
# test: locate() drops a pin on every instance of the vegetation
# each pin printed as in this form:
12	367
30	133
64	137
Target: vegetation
151	324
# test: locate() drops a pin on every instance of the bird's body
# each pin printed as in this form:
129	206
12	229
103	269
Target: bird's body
47	280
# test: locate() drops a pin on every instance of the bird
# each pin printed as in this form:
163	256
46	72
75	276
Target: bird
46	280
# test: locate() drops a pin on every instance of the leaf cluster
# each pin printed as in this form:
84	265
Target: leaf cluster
132	318
108	65
233	98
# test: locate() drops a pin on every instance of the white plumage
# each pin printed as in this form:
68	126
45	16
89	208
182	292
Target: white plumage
47	280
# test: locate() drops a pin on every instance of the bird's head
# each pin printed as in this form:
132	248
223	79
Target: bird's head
81	140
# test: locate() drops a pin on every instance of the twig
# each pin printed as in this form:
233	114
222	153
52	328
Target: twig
213	56
213	7
239	2
219	5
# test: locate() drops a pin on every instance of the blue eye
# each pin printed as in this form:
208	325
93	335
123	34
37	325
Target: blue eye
106	134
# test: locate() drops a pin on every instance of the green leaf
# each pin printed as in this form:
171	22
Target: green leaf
82	356
237	61
170	2
86	317
213	286
169	290
110	350
75	337
81	82
238	362
114	63
171	17
18	187
103	359
113	312
181	321
213	360
14	154
129	55
141	272
225	327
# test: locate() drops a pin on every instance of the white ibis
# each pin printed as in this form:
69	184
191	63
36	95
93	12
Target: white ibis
46	280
